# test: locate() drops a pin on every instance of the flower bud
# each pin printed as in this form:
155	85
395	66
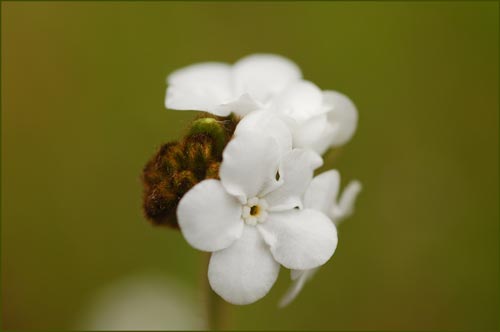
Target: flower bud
179	166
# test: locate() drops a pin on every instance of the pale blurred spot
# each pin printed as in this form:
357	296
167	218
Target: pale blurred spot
142	302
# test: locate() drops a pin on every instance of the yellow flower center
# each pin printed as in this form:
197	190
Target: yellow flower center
254	211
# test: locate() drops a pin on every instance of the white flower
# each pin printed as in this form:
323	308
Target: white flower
253	219
318	119
322	196
220	88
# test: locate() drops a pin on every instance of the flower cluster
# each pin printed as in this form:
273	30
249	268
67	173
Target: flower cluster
241	183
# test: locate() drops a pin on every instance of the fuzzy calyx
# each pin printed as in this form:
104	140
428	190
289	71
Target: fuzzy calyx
177	166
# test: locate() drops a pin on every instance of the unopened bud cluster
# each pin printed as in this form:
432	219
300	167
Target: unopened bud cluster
179	165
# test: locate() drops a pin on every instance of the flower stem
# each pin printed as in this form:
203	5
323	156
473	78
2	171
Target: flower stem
214	304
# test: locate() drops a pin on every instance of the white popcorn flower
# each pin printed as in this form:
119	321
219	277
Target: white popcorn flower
318	119
322	196
220	88
253	219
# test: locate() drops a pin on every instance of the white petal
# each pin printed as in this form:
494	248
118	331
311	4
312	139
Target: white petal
299	278
201	87
264	75
241	106
316	133
209	218
306	134
249	164
292	292
301	101
295	274
300	239
324	141
343	115
244	272
322	193
345	206
296	172
269	124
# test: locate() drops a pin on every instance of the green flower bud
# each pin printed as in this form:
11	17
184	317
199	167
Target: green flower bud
212	127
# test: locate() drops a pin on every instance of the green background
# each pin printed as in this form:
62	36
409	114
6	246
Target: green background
83	87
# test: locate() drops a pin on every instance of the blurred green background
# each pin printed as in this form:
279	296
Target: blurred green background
83	87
